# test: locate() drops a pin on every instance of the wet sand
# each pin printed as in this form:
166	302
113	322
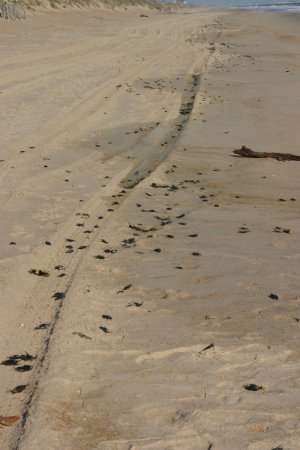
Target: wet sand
149	276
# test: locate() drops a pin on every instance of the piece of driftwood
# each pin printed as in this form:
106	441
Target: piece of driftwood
248	153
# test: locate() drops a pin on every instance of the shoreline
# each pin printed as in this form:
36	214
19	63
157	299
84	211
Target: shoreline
157	311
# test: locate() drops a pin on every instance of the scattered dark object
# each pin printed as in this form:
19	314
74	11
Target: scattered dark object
25	357
59	267
144	15
47	242
100	217
82	247
277	448
104	329
15	358
193	235
126	243
110	251
273	296
12	243
42	326
282	230
18	389
244	230
179	267
81	335
59	295
180	217
69	246
25	368
191	181
10	362
125	288
157	250
252	387
161	186
39	273
208	347
135	304
80	224
100	257
163	220
210	446
104	241
106	317
196	254
143	230
170	236
61	275
248	153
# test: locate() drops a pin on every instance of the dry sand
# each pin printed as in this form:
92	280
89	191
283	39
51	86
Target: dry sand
97	150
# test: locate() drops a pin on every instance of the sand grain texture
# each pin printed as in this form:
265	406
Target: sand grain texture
170	316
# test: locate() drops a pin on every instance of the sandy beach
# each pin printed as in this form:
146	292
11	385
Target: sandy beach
150	295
